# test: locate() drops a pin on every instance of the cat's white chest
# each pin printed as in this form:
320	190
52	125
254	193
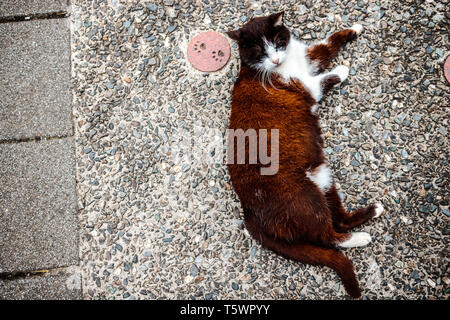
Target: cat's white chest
297	66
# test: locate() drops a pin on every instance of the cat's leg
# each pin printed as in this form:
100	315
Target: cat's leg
305	216
308	253
316	255
335	76
324	82
322	53
343	220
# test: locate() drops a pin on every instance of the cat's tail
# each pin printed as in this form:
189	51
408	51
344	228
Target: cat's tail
315	255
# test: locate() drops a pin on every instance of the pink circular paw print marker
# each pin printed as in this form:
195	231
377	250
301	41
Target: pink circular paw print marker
447	69
208	51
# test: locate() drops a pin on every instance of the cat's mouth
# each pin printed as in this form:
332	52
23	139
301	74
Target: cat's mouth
273	62
276	62
267	66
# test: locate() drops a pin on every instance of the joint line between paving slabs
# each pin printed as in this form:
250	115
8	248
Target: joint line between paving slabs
17	275
33	139
36	16
22	274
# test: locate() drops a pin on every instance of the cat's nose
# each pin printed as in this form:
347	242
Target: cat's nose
276	61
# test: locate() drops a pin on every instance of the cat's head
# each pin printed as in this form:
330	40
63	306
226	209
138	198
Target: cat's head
262	42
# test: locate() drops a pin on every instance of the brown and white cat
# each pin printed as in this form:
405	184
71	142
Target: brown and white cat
296	212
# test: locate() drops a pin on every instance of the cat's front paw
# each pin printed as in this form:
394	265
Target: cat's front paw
341	72
358	28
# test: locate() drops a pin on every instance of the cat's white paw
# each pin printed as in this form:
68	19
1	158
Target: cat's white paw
341	71
378	210
358	28
357	239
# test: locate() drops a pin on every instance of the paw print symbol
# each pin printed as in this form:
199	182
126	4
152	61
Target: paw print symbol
199	47
219	55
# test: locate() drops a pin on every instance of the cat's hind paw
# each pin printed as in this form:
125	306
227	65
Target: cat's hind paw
378	210
357	239
358	28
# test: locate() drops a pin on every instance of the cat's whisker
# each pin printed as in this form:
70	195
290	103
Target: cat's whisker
258	74
261	78
263	82
262	75
270	81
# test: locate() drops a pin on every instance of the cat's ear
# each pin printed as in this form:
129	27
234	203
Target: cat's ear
234	34
277	19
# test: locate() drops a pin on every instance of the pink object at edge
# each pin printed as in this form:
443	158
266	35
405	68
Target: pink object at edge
208	51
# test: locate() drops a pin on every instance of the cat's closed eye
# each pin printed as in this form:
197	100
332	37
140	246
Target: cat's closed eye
280	42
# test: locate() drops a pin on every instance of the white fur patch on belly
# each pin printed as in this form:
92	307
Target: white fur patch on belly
321	176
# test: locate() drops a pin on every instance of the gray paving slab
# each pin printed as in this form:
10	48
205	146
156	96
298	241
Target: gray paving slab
53	287
38	218
35	97
21	7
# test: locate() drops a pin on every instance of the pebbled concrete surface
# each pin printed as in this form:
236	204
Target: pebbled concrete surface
38	217
152	227
26	7
35	79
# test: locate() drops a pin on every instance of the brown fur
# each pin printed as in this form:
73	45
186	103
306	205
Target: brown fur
287	212
323	53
